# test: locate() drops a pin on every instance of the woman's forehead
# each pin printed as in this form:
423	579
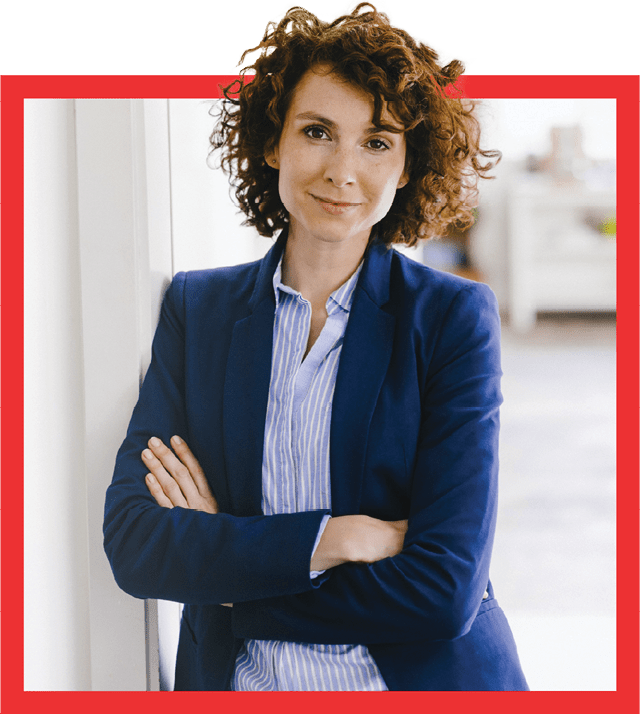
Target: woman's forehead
321	90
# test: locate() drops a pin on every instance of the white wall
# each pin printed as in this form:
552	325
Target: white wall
97	259
56	604
207	230
112	229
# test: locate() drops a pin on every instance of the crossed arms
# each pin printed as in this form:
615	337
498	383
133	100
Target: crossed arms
386	581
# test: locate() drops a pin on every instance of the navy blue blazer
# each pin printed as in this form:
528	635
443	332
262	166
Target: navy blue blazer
414	434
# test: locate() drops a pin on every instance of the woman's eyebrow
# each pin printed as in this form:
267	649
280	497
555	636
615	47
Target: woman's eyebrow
389	128
312	116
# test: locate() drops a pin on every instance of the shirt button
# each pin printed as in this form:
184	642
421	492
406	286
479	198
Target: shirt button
486	595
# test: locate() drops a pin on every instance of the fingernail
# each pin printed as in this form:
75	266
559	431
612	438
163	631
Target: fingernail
154	441
176	440
150	478
148	454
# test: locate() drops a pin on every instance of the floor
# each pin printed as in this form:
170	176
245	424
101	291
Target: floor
554	558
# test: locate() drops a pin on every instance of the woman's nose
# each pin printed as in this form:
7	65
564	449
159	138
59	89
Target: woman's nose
340	169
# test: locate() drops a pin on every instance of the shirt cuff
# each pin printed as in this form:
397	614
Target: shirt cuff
323	525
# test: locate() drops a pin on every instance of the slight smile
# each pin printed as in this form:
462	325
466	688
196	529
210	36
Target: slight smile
334	207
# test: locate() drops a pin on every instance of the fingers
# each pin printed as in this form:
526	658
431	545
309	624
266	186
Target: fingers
205	501
164	479
185	455
173	475
156	491
179	476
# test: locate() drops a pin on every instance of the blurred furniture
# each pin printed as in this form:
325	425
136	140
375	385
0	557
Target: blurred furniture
559	257
451	253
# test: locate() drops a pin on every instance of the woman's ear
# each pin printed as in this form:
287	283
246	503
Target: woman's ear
404	179
271	157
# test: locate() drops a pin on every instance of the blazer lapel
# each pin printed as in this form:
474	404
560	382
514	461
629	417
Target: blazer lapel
364	361
246	392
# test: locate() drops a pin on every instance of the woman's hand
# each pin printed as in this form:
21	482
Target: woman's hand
358	539
176	479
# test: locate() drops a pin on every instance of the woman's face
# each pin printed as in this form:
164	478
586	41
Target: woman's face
338	172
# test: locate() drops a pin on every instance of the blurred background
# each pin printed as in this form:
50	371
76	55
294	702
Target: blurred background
545	242
124	197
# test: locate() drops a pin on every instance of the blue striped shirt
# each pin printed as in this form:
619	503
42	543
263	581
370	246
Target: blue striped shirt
296	477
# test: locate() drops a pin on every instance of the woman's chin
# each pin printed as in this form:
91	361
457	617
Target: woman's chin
330	231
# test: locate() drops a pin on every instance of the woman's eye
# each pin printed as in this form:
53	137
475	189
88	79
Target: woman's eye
378	145
315	132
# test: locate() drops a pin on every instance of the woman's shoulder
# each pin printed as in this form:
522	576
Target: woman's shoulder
450	310
211	297
220	278
225	285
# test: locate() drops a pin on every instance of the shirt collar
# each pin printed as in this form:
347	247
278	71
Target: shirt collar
341	297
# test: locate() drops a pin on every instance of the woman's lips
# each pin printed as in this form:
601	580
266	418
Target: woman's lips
336	208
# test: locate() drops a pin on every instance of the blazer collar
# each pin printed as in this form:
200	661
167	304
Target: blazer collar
264	283
374	280
376	271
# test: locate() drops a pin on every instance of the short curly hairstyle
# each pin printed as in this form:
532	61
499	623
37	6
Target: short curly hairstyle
444	160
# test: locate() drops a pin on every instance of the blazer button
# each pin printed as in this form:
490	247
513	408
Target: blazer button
486	595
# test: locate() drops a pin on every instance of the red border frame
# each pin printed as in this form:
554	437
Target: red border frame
625	699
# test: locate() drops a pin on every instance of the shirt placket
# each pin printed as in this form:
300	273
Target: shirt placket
308	372
299	376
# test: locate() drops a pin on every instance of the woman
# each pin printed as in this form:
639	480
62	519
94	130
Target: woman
328	514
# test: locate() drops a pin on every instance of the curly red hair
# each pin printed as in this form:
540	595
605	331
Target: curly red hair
444	160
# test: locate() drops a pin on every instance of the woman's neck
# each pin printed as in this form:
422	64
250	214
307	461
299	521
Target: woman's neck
316	268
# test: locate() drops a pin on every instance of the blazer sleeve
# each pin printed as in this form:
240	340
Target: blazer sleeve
433	589
181	554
